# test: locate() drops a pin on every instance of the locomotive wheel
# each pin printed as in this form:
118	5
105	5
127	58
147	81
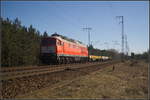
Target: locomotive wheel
67	60
61	60
64	61
58	60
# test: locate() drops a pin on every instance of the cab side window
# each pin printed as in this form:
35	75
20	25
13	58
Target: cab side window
61	43
58	42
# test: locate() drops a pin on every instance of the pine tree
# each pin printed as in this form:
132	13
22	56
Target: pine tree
45	34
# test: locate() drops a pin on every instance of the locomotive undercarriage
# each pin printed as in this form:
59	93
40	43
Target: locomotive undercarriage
68	59
61	59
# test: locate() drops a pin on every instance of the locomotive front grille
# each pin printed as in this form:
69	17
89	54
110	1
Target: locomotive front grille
48	49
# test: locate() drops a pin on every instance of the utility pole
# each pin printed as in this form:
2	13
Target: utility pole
128	49
126	45
88	29
122	36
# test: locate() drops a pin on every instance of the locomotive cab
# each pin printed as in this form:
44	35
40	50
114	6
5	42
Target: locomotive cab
48	50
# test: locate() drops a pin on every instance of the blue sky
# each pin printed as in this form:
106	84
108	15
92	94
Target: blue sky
69	17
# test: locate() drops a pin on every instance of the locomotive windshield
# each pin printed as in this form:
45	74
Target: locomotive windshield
48	42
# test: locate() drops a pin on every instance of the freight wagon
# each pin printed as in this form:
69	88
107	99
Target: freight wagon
99	58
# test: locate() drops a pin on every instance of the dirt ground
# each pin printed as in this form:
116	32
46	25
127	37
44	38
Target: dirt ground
123	80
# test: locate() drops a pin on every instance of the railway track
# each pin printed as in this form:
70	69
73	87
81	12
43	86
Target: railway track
12	69
19	72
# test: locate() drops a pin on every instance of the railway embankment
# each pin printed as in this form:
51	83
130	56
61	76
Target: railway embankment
122	80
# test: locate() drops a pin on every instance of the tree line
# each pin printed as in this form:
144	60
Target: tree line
20	44
114	54
144	55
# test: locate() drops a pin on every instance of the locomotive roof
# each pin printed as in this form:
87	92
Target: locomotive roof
67	39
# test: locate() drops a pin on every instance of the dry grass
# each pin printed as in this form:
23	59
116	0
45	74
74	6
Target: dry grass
124	81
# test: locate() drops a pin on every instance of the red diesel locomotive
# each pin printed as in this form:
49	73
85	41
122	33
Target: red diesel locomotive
57	49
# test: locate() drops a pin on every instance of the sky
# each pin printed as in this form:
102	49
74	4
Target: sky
68	18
